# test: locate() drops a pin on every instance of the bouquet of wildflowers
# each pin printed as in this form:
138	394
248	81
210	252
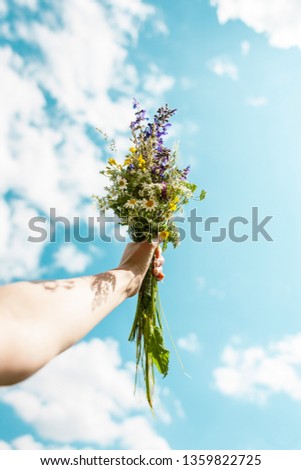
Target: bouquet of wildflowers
145	192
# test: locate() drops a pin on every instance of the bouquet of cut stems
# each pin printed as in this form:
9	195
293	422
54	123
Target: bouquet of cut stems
145	192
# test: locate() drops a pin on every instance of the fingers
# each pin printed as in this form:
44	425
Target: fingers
138	256
158	264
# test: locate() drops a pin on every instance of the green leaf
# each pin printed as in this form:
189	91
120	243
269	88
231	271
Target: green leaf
158	351
203	194
191	186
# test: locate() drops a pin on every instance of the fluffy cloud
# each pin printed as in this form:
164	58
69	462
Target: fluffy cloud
85	396
255	373
25	442
157	83
16	261
71	259
3	7
189	343
223	66
201	282
256	101
245	47
280	20
50	101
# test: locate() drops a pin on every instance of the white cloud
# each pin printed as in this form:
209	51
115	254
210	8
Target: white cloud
179	409
157	83
161	27
27	442
86	395
256	101
31	4
255	373
245	47
223	66
47	159
5	446
3	8
189	343
280	20
16	261
71	259
201	282
217	293
187	83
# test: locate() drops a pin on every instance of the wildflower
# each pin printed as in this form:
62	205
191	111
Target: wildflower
186	192
135	103
172	207
131	203
147	186
141	162
164	190
122	183
164	234
149	204
185	172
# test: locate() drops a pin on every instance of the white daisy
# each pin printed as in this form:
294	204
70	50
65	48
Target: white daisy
186	192
149	204
122	183
131	203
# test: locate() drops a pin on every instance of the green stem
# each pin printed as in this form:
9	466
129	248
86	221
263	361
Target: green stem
148	334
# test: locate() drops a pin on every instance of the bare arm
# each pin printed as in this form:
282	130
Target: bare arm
39	320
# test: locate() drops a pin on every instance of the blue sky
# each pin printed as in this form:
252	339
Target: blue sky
232	69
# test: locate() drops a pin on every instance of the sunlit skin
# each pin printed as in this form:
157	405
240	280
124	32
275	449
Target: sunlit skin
41	319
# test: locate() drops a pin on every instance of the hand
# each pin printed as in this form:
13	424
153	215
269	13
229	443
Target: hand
158	264
137	258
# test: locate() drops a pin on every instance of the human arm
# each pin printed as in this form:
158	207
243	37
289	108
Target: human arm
39	320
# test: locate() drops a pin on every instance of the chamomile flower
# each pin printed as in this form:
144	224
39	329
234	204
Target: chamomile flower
186	192
131	204
122	183
149	204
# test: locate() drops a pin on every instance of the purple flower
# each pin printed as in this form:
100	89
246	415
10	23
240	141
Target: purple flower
185	172
135	103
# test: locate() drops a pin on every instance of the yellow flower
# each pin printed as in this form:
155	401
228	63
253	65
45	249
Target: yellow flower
141	162
164	234
127	161
173	204
172	207
133	149
112	161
